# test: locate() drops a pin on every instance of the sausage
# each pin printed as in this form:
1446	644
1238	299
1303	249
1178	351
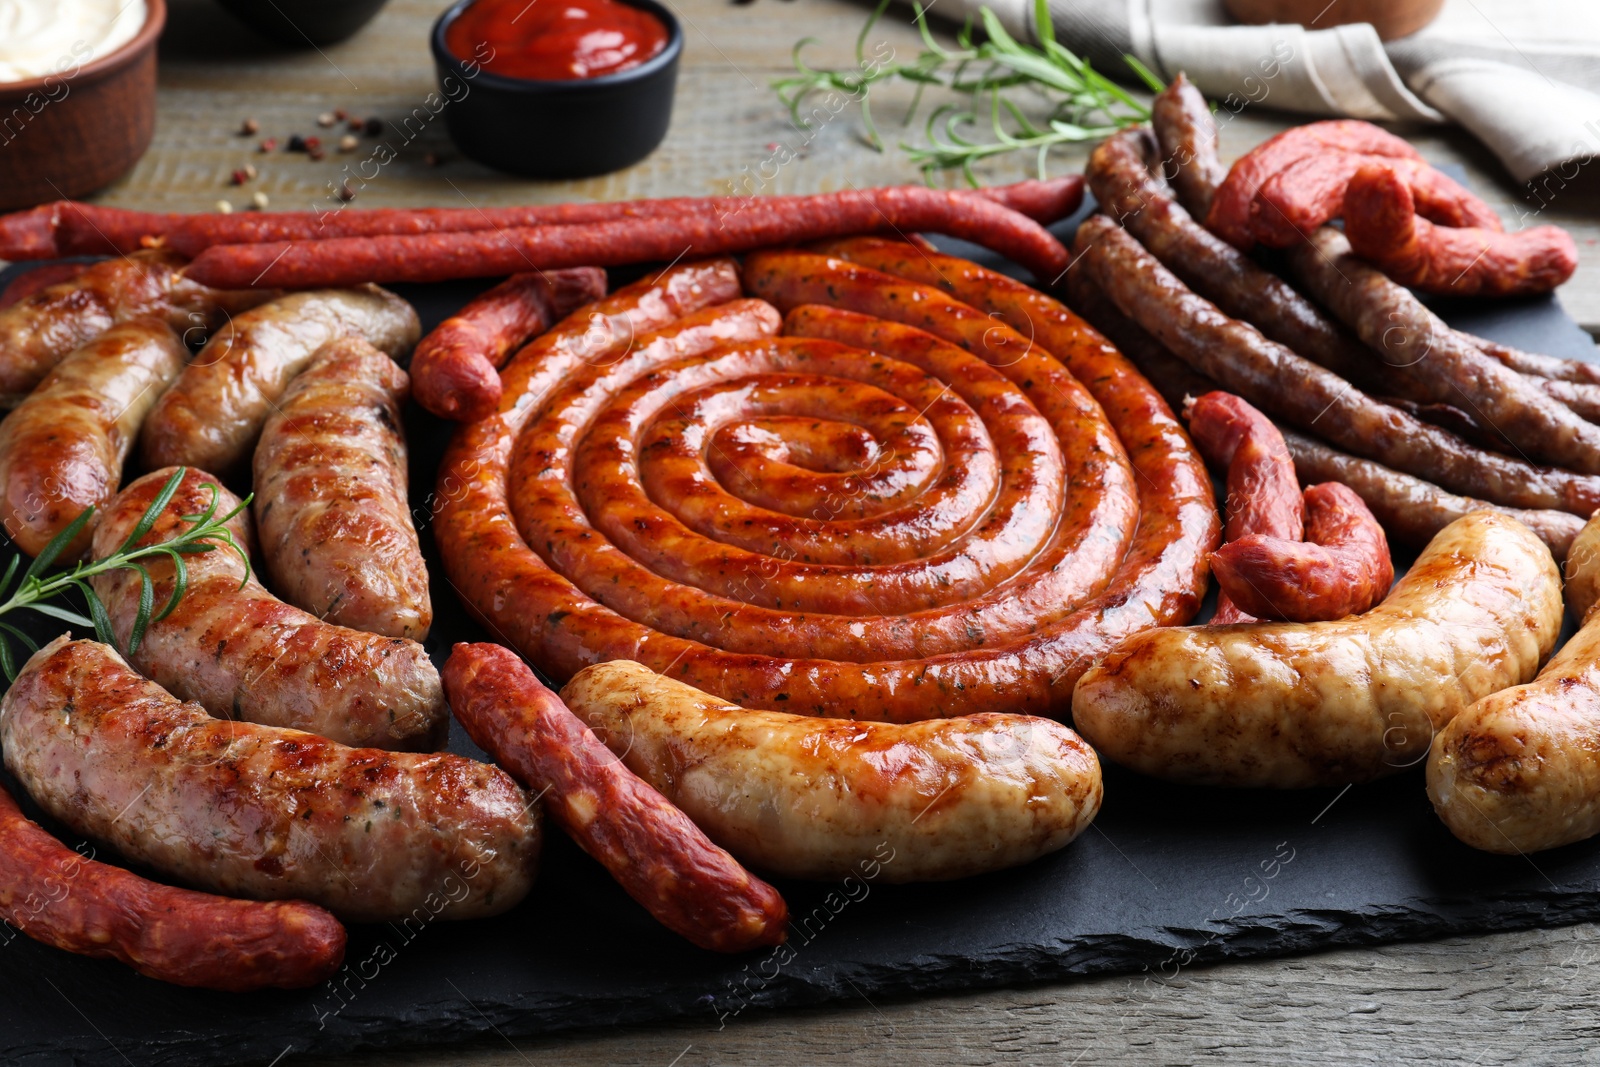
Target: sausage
258	811
1517	772
1341	568
1305	395
1294	705
70	228
1536	364
1176	380
1411	510
1412	340
38	332
822	799
1187	133
1235	205
453	371
244	654
37	278
75	903
1385	227
211	416
757	223
1263	495
331	495
1306	194
650	847
62	449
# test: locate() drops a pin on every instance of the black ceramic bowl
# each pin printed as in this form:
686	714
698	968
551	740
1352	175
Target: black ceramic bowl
559	129
301	22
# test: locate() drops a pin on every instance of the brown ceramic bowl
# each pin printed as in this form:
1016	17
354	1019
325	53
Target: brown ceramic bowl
68	134
1391	18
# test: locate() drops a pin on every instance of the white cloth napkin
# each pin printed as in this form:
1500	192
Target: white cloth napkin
1521	75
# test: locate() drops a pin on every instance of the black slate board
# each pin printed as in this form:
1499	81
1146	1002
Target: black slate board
1166	877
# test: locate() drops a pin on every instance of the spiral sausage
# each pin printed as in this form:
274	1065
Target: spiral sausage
925	553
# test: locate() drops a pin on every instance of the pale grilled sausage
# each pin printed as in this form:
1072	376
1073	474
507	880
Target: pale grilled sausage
816	798
1291	705
261	812
244	654
210	417
330	501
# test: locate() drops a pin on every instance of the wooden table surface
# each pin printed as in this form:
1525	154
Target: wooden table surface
1494	999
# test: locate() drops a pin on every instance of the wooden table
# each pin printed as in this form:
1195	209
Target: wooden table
1503	998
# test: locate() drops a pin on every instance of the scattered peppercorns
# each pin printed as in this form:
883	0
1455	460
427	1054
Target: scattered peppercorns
225	208
356	124
374	127
296	144
243	174
268	145
347	191
259	201
432	159
326	119
348	143
249	128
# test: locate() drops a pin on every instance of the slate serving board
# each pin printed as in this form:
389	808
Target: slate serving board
1165	878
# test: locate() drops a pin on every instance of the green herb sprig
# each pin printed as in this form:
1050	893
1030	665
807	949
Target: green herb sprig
35	589
1083	104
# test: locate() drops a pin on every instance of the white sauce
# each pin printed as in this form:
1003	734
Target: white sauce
40	37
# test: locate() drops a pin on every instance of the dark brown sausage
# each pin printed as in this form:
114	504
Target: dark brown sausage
650	847
1183	124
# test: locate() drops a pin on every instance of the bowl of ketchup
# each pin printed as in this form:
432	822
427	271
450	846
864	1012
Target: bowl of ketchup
557	88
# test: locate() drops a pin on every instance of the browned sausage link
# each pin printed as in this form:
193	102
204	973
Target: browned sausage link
1304	394
1534	363
74	902
650	847
331	496
36	279
259	811
1120	177
1410	509
453	371
1176	380
1412	340
1451	418
36	333
244	654
1183	124
62	450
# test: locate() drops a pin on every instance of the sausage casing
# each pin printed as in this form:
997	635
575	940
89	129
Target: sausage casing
330	502
1290	705
261	812
814	798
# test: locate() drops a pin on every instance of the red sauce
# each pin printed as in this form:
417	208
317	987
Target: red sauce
555	40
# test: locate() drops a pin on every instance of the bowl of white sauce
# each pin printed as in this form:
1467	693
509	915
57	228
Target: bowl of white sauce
77	94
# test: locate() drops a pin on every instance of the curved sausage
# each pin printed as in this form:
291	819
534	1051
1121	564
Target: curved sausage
331	495
39	331
262	812
62	449
1518	771
1385	227
454	369
820	798
650	847
244	654
1187	133
61	898
212	415
1292	705
1305	395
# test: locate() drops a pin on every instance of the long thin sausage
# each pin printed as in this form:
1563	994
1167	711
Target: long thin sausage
1183	124
74	902
650	847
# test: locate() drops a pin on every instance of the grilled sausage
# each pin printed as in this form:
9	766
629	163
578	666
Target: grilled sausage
62	449
817	798
73	902
330	501
1188	136
1291	705
262	812
212	415
1519	771
244	654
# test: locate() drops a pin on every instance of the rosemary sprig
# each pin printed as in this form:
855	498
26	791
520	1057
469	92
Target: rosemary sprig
1083	104
33	591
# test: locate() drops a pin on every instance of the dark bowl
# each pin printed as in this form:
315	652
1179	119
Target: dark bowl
299	23
559	129
69	134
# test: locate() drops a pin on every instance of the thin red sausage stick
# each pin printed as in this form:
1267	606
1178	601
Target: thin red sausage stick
1342	568
454	368
763	223
30	234
1263	492
650	847
60	898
